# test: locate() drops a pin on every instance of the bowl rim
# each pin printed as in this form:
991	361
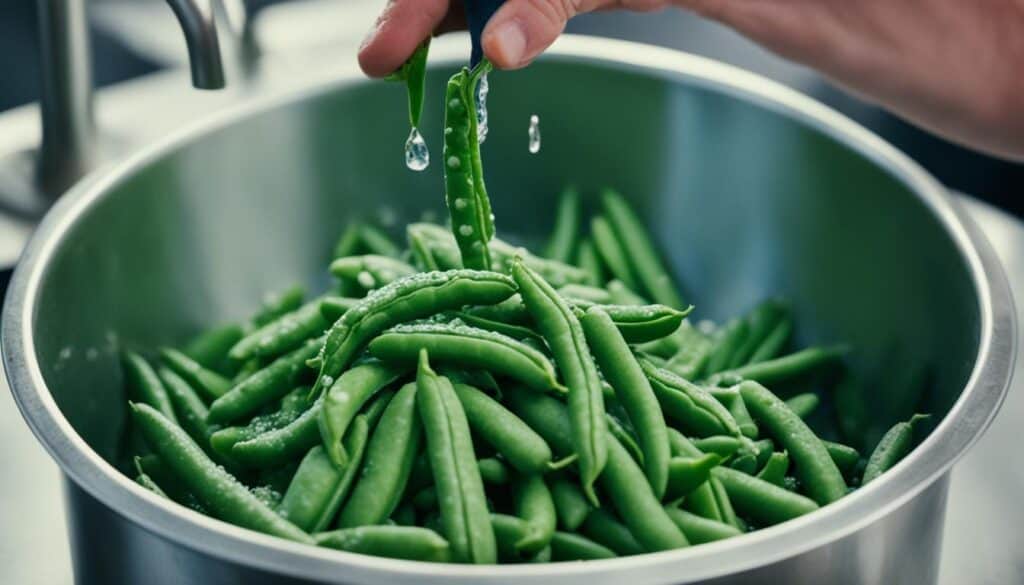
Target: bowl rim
965	422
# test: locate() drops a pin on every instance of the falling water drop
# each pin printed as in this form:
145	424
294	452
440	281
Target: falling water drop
534	133
417	157
482	89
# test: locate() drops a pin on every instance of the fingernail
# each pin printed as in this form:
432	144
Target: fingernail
509	42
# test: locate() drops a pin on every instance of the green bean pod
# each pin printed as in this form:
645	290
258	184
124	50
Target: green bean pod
319	486
211	384
733	335
605	529
520	445
774	342
725	446
370	271
218	490
465	193
791	366
685	474
467	347
622	435
388	462
534	504
145	386
414	297
378	242
622	294
775	469
627	488
571	505
517	332
639	323
814	467
397	542
566	546
343	400
263	386
803	404
693	407
562	242
698	529
509	531
190	409
761	501
278	303
281	335
633	390
492	470
650	271
464	514
762	320
588	259
893	447
611	251
845	457
564	334
210	348
332	308
582	293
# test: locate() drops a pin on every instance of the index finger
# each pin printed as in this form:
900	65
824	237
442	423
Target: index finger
402	26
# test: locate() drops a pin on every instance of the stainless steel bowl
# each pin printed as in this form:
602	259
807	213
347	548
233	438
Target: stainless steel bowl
751	189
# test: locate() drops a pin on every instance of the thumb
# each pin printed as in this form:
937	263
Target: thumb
521	29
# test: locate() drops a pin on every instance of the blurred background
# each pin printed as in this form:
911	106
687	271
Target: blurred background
134	37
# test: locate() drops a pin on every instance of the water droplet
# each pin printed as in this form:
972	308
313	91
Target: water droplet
461	203
534	133
453	162
482	89
466	230
417	157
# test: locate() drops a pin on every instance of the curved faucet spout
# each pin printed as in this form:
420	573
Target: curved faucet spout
200	28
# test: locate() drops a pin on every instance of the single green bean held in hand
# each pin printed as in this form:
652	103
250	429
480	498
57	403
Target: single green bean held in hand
465	193
633	390
468	347
218	491
564	334
414	73
465	519
814	467
413	297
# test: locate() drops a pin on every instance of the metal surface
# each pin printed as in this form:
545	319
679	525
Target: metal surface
69	149
752	189
70	145
981	543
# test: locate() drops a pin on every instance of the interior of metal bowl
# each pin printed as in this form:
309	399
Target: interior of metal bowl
745	202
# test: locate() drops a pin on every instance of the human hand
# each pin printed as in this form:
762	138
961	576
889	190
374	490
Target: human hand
953	67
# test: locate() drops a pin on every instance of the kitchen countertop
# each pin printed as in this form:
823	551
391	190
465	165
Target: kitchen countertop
983	541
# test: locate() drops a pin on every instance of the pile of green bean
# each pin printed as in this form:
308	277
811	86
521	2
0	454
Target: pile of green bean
460	399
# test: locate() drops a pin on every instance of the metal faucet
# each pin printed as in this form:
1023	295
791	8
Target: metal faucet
70	146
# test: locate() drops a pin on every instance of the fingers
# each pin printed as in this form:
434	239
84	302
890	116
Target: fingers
521	29
402	26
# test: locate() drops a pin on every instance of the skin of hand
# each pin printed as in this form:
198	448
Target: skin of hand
954	67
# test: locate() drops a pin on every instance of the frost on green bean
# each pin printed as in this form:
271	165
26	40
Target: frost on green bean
465	192
370	271
413	297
